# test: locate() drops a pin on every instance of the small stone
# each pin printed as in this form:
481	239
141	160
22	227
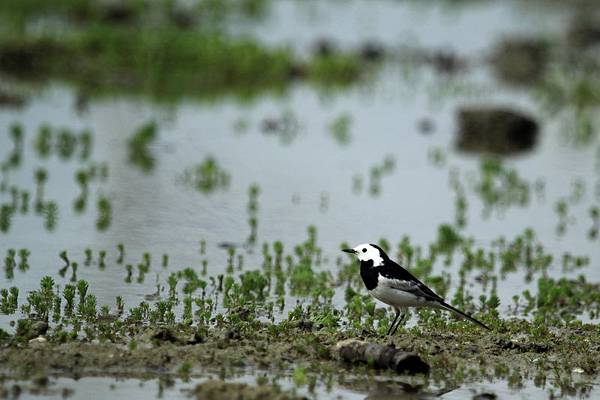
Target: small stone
38	340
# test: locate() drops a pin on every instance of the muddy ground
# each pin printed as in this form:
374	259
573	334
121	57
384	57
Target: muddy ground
561	357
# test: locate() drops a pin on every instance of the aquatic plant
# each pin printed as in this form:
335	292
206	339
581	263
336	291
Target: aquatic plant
82	179
104	214
252	207
139	147
10	263
69	296
561	208
24	202
43	140
286	126
500	187
335	69
50	212
594	213
6	214
88	257
207	176
121	255
9	300
24	262
437	157
129	269
65	144
14	158
41	301
85	142
376	174
41	176
101	259
573	89
339	129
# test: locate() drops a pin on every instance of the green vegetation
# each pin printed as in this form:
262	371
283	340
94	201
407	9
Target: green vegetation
105	214
339	129
299	272
139	152
376	174
70	146
574	91
206	177
253	193
167	63
63	142
204	334
164	50
500	187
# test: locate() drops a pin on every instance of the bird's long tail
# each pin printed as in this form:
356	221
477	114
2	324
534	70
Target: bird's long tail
462	314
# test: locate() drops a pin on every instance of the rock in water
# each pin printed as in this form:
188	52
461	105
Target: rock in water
495	130
381	356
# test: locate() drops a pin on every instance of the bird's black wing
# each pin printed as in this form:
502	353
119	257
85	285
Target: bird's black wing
401	279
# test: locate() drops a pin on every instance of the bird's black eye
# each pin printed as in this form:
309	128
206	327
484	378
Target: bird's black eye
364	250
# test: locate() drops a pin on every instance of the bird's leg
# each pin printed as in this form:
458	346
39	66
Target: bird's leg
399	322
393	322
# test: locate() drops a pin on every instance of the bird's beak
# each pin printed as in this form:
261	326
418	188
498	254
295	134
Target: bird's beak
351	251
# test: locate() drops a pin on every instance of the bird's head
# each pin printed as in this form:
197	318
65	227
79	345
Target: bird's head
368	252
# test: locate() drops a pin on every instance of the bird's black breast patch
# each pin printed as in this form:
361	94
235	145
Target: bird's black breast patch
369	275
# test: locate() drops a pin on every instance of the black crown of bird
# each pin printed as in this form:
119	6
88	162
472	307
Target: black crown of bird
391	284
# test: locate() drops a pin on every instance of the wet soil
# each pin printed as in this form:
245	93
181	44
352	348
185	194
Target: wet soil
455	354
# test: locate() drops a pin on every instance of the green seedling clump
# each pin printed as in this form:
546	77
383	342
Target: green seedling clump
376	174
339	129
104	214
139	151
207	176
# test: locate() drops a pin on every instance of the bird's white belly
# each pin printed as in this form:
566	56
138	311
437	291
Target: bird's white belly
397	298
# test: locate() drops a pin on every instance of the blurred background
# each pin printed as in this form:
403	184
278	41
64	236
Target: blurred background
171	126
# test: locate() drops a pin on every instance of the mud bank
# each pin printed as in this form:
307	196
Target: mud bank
456	354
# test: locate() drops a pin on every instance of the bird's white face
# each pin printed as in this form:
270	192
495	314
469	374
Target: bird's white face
366	252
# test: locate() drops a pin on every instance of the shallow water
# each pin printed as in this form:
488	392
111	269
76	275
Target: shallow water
157	213
173	389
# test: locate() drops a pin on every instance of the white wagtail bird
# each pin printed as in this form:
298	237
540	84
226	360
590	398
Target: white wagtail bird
390	283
